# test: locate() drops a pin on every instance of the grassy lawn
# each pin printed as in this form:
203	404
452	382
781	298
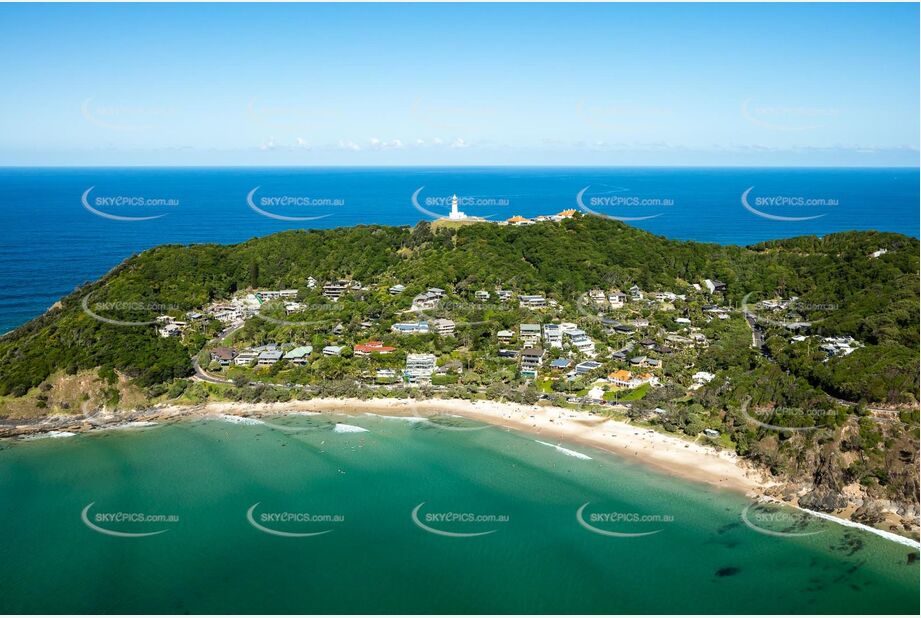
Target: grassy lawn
634	395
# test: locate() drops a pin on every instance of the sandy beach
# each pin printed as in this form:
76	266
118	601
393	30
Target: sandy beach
671	454
552	425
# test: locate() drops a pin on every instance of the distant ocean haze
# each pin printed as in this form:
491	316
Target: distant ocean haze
62	227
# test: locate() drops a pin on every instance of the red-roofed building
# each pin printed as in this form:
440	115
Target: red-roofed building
372	347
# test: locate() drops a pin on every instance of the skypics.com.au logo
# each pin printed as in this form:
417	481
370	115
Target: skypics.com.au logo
106	206
136	524
125	313
293	524
778	207
621	524
267	205
457	524
620	204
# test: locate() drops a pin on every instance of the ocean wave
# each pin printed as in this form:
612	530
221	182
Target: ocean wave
891	536
565	451
239	420
51	434
343	428
130	425
408	419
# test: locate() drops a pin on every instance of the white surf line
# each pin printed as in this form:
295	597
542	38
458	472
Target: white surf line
897	538
891	536
565	451
239	420
343	428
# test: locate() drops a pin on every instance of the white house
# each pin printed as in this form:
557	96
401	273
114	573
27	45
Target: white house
419	368
444	327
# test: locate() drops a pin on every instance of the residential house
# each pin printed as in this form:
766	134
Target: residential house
504	336
419	368
245	359
372	347
531	361
560	363
518	220
444	327
636	293
506	353
587	366
299	355
269	357
531	301
596	296
714	285
333	350
411	328
529	334
425	300
504	295
702	377
267	295
481	295
617	299
223	355
335	290
397	289
626	379
553	336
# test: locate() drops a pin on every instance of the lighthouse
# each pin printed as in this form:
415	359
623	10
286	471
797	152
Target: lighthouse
455	213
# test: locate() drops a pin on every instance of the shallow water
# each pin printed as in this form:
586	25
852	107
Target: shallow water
225	489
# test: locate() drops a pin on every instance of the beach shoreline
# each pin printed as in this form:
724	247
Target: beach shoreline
668	454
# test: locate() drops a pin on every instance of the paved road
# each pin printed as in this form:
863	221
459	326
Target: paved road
200	373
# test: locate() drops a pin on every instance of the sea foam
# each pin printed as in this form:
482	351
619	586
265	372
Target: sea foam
565	451
51	434
343	428
240	420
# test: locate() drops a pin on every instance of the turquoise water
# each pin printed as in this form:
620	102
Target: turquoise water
536	557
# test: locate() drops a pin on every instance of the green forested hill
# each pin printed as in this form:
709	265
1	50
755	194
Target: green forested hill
873	300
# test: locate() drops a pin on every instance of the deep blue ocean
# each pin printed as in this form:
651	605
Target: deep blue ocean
59	227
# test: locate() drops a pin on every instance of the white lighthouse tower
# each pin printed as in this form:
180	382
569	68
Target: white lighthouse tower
455	213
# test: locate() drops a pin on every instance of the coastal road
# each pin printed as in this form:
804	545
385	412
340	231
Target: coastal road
757	333
201	374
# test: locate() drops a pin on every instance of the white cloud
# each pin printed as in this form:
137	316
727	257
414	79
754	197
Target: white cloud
377	144
347	144
459	142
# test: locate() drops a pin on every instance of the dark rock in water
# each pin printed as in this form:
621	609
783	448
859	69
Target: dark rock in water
850	544
727	571
912	557
727	527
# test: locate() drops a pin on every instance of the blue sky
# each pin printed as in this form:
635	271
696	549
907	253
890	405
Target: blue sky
538	84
